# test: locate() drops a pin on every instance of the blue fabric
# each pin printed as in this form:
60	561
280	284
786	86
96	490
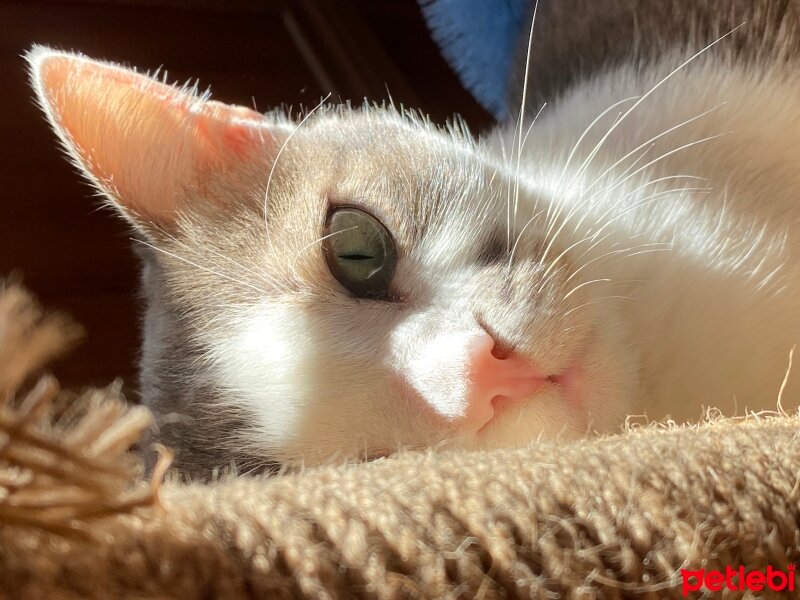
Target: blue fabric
478	38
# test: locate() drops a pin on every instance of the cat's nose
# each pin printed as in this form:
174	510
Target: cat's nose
496	376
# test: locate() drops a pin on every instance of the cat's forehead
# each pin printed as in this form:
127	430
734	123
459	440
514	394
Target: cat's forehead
404	166
423	183
390	142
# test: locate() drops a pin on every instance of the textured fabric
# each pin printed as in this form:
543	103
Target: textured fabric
479	39
616	517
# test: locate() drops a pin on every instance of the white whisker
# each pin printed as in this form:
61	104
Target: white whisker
643	202
201	267
627	113
595	302
523	102
656	246
278	156
584	284
634	173
317	241
650	92
563	171
651	140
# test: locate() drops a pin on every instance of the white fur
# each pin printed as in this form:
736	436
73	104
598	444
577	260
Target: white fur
667	274
265	363
713	319
442	356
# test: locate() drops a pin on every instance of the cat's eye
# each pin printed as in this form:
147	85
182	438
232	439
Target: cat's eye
359	251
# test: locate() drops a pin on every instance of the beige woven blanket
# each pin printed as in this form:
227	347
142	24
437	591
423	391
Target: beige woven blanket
618	517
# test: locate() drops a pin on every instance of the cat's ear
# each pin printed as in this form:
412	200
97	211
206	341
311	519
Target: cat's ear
143	143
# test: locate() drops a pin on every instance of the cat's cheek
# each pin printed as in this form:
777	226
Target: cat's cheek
609	373
430	363
421	423
256	359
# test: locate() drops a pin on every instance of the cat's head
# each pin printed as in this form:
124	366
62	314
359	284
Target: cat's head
353	281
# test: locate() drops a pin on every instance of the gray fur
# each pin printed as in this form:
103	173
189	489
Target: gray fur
252	350
175	386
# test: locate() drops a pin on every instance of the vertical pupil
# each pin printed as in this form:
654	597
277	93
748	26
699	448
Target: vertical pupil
359	252
356	257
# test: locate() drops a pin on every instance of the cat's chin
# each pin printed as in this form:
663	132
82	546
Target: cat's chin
575	404
566	386
551	414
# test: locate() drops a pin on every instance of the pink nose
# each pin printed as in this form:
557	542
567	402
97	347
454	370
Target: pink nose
492	378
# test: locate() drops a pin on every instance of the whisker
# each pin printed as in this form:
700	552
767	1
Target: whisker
654	195
667	155
654	139
666	192
634	173
586	132
523	102
652	90
594	302
517	133
666	248
643	202
317	241
201	267
536	204
638	103
657	246
584	284
533	122
563	171
324	237
572	152
278	156
206	248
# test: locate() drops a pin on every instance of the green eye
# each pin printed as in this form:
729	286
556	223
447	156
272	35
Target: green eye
359	252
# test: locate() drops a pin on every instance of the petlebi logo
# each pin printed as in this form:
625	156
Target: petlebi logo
738	579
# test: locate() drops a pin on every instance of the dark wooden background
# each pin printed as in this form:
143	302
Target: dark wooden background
76	256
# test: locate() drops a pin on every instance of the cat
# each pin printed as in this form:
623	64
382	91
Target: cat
361	280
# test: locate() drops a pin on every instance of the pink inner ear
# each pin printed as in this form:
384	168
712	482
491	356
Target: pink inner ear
143	142
239	128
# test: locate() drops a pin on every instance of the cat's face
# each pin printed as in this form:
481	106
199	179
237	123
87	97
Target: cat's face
349	282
